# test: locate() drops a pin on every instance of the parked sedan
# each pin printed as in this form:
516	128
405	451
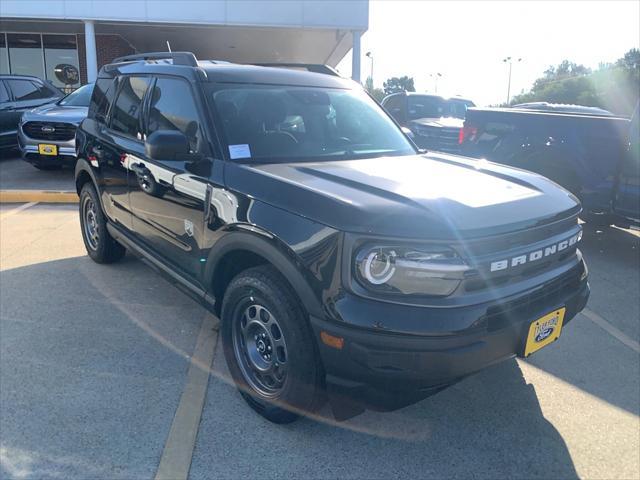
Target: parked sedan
18	94
47	134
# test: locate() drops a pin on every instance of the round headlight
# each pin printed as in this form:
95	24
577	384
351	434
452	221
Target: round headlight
379	266
409	270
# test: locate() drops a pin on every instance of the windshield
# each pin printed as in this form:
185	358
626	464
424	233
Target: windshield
280	123
78	98
428	106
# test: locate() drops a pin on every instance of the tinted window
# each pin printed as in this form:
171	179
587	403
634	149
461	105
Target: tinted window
393	105
278	123
125	116
27	90
423	106
79	98
101	98
172	107
458	108
4	95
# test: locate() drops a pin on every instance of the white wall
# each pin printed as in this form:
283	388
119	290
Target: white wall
338	14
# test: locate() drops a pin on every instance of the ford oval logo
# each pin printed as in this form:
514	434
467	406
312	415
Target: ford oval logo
48	129
544	333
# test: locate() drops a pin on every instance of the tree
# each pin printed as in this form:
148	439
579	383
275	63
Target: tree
376	93
399	84
613	86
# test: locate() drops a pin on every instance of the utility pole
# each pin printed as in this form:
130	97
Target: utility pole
509	60
368	54
435	76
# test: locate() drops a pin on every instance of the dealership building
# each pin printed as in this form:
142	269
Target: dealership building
67	41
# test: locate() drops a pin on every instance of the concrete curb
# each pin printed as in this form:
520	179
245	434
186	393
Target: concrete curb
40	196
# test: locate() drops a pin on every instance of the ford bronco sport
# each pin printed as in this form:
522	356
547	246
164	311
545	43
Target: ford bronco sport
343	264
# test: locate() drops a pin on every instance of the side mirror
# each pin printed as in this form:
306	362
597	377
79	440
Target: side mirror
408	133
166	145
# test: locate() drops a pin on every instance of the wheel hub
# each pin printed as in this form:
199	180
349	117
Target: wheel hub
260	349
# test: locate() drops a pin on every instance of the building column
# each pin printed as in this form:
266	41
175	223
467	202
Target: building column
356	54
90	48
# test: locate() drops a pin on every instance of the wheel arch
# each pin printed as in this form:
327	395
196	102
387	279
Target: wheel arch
84	174
237	250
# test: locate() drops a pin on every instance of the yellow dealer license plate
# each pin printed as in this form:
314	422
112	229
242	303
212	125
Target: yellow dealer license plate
47	149
544	331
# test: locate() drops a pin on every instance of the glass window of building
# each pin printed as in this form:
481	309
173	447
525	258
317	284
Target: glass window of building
4	54
61	61
25	54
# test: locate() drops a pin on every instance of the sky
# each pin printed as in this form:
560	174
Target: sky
466	41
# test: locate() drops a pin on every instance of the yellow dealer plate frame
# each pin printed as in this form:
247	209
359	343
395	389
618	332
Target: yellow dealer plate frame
544	331
47	149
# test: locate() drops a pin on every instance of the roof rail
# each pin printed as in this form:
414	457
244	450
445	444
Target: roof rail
310	67
179	58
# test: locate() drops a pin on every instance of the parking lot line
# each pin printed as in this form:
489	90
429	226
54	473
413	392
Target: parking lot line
19	209
611	330
178	449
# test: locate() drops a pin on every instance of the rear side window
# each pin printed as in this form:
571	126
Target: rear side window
28	90
172	107
125	115
103	93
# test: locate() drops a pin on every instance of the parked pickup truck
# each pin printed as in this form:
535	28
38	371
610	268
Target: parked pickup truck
586	151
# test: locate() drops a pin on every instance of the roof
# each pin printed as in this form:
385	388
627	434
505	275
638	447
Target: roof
234	73
186	64
562	107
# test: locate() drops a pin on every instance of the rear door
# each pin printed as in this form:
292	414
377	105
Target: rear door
168	197
120	145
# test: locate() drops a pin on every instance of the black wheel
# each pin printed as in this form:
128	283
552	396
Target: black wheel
269	347
101	247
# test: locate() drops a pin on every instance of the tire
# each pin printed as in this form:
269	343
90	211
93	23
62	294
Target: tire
259	306
101	247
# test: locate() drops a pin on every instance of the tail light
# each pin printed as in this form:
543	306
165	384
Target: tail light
468	132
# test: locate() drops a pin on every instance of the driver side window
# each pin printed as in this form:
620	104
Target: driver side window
172	107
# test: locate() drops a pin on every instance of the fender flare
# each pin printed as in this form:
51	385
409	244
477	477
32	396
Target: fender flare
82	166
273	251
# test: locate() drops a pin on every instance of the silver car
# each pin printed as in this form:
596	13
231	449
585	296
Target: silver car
47	134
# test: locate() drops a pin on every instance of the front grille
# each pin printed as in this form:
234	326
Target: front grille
53	131
547	296
442	139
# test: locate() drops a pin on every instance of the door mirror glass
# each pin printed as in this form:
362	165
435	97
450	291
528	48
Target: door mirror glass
167	145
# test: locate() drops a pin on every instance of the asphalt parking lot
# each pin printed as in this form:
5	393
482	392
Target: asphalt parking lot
94	362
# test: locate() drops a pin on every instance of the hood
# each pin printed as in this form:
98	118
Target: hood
433	196
450	122
53	112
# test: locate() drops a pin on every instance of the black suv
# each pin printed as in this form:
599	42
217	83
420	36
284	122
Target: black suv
342	263
18	94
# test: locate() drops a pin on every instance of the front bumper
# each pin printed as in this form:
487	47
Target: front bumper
383	370
29	151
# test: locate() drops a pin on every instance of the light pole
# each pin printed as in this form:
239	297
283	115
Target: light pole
368	54
435	76
510	61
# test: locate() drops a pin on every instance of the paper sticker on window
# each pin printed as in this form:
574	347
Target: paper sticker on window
239	151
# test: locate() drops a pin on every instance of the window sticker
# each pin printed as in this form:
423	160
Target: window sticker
239	151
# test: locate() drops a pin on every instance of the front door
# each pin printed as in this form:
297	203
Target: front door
168	197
